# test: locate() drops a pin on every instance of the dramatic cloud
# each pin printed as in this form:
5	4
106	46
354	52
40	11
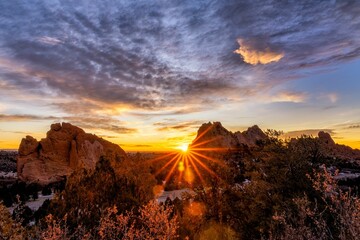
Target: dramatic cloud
144	60
254	56
151	55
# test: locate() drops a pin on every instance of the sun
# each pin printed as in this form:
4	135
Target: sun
190	161
184	147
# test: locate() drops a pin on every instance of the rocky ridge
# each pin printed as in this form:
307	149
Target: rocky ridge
212	135
331	149
65	149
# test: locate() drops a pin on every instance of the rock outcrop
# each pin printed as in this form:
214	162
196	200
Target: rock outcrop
214	135
65	149
331	149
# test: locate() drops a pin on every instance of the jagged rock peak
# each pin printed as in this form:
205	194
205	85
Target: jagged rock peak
326	138
214	128
221	137
65	149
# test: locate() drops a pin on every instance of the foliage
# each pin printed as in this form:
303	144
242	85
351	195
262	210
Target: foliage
154	221
339	219
9	229
88	192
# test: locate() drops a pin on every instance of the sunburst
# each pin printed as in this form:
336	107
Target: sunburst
191	159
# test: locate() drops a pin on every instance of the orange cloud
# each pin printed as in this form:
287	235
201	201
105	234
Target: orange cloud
254	56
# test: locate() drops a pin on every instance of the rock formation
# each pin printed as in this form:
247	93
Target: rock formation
65	149
212	135
331	149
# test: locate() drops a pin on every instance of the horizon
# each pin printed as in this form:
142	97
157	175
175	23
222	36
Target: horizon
179	146
145	75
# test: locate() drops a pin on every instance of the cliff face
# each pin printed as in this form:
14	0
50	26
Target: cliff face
65	149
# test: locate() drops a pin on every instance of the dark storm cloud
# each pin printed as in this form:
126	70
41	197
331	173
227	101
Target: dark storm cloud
151	55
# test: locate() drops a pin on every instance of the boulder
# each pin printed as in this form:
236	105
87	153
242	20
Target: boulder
65	149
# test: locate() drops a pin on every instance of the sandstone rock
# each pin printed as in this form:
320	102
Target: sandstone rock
65	149
28	145
253	135
325	138
214	135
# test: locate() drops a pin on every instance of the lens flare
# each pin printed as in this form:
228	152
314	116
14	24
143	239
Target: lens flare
181	166
192	161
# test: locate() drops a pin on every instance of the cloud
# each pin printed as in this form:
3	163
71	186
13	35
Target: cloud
105	123
307	132
288	96
23	117
137	145
161	56
254	56
333	97
49	40
17	132
171	125
348	125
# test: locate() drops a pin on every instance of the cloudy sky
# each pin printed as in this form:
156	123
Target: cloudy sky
147	74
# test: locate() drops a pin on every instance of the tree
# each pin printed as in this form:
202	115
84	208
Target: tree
88	192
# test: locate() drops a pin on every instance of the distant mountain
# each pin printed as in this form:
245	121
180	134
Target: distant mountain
65	149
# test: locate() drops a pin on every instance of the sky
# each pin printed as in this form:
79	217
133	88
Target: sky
147	74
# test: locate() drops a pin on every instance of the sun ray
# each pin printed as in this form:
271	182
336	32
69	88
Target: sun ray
167	164
204	166
203	142
196	170
162	157
186	160
202	134
210	159
181	170
211	149
172	170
